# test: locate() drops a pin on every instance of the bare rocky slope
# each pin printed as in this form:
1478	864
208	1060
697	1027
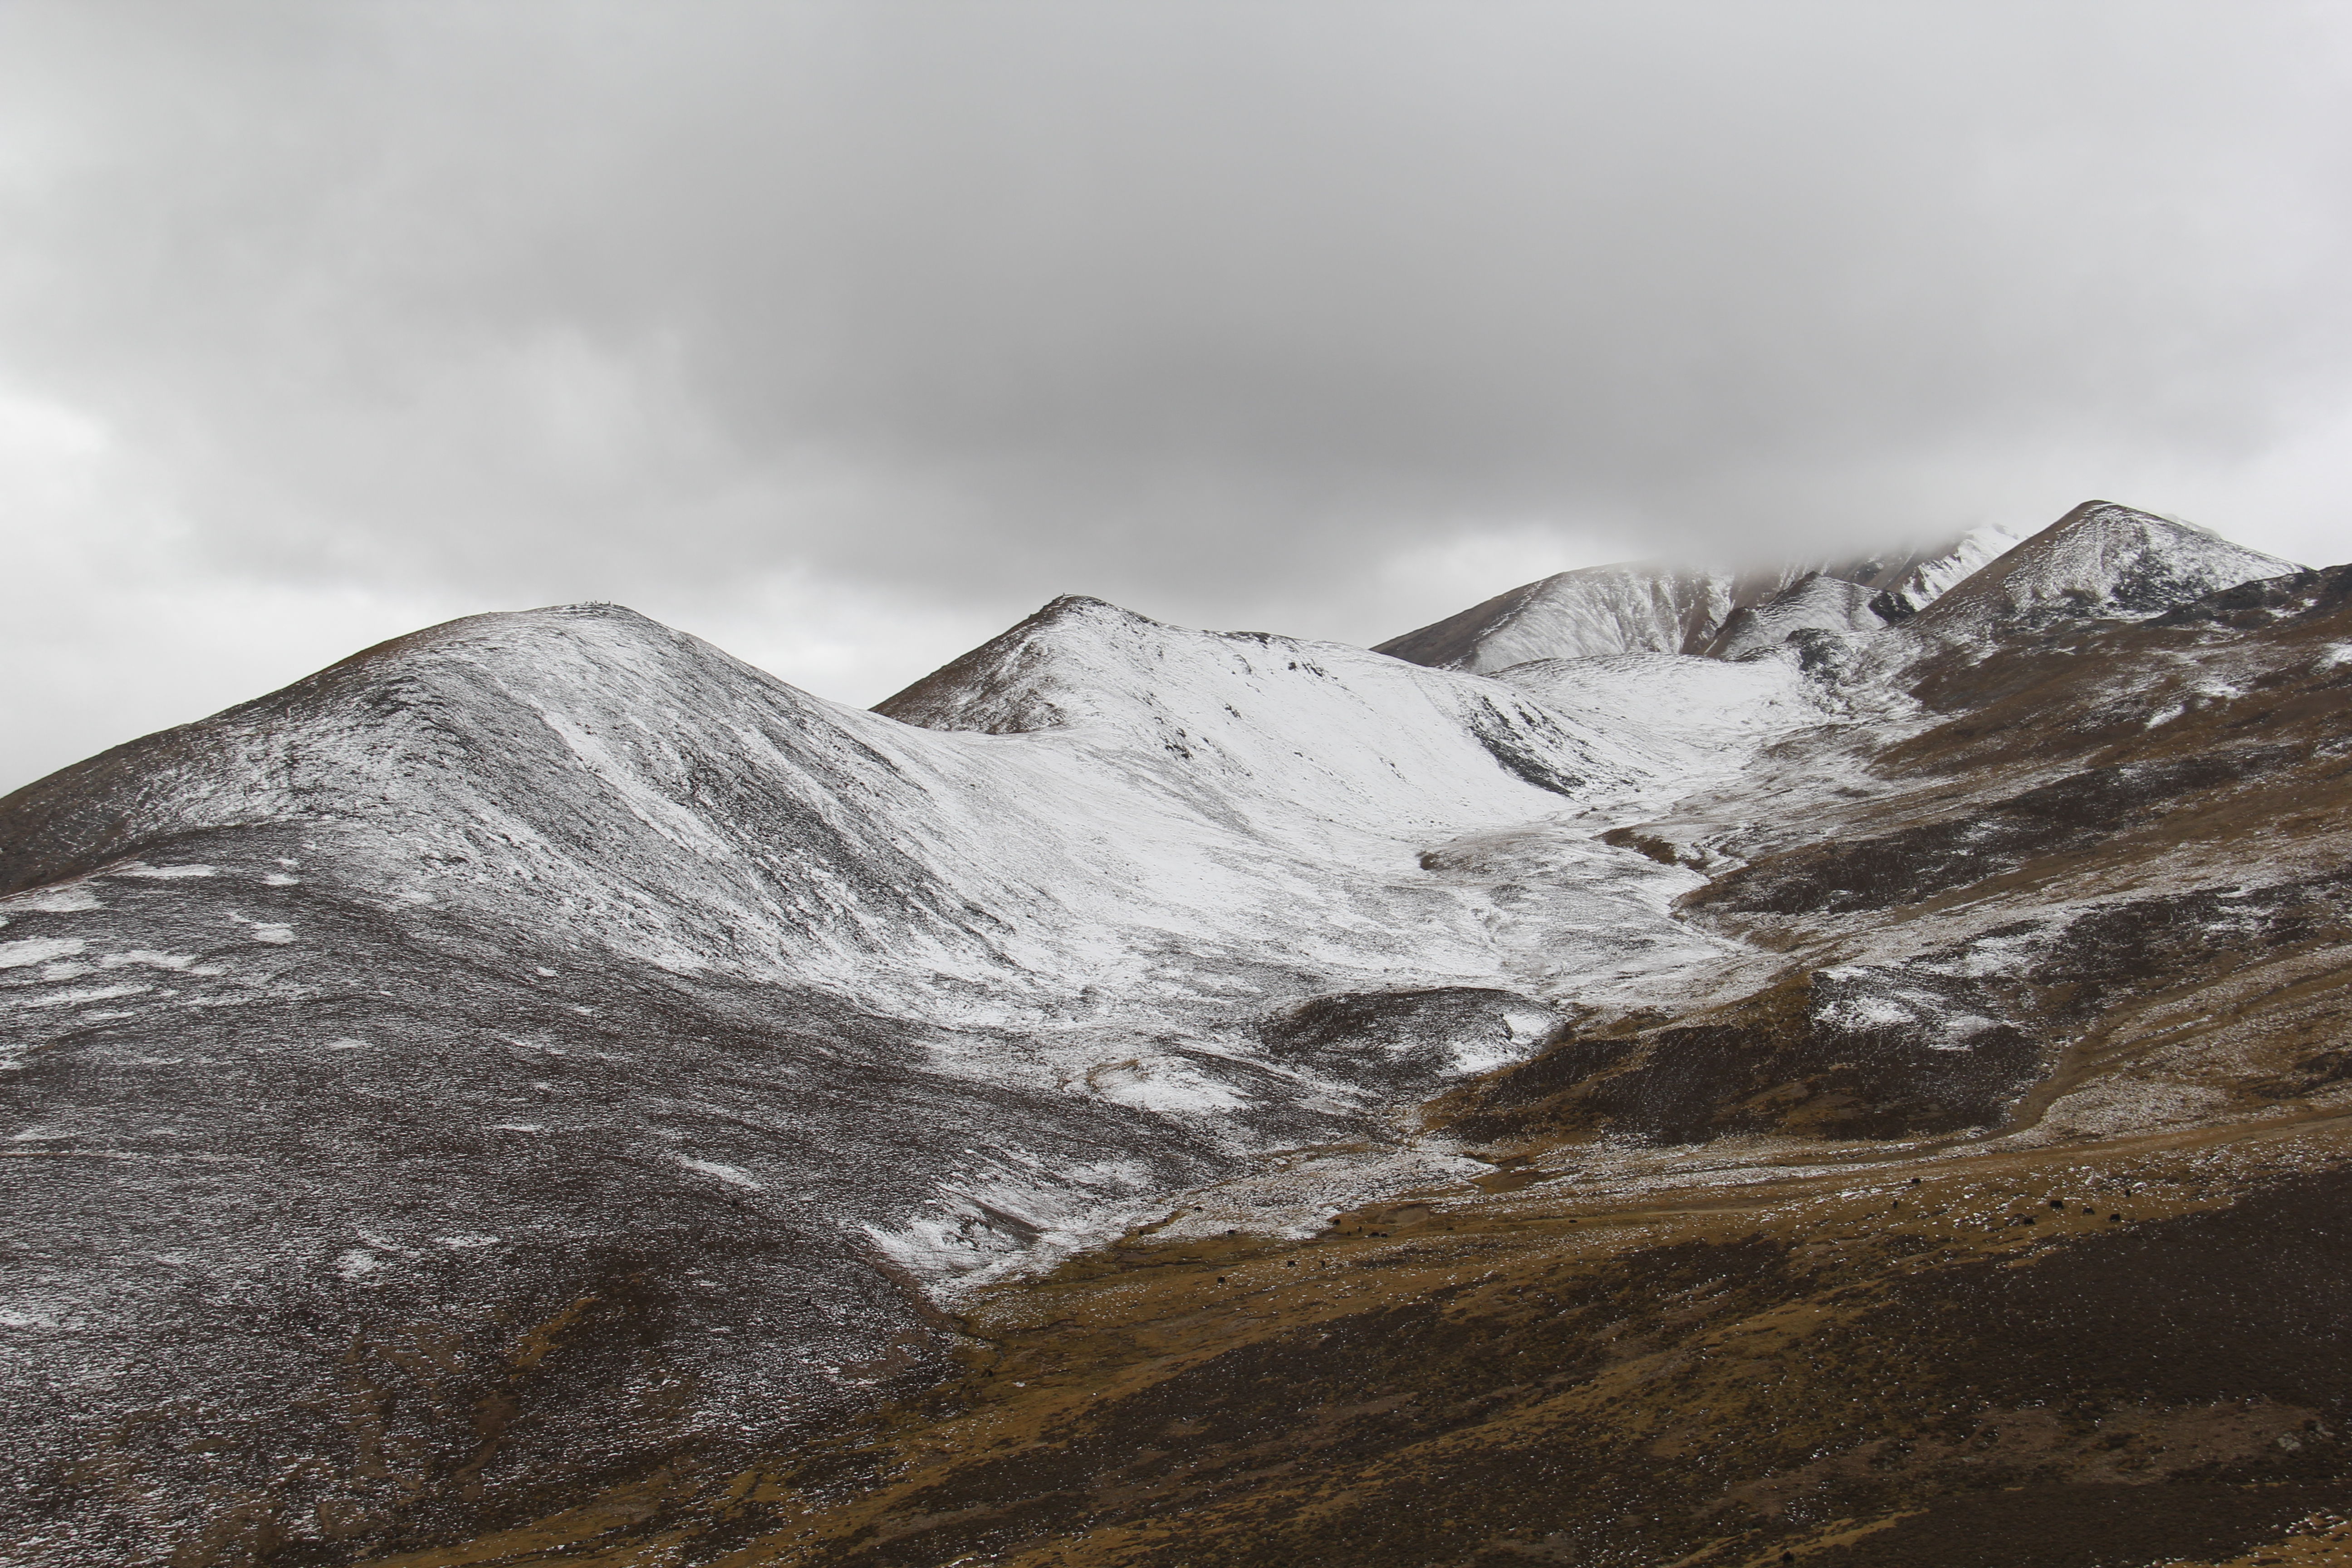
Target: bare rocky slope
542	1092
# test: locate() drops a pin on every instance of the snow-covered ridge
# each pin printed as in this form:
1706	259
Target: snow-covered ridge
1077	904
1268	722
1627	608
1633	608
1102	805
2101	559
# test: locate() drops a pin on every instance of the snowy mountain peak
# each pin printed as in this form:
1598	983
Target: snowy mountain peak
2100	558
2103	559
1045	673
495	636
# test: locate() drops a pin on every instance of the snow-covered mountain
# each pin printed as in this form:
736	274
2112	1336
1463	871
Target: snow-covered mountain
2100	559
1628	608
539	951
554	980
1632	607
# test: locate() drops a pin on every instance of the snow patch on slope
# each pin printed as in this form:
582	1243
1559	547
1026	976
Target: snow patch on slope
1677	718
1625	608
1815	603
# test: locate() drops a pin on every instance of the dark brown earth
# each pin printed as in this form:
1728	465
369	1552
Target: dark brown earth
1775	1280
1847	1366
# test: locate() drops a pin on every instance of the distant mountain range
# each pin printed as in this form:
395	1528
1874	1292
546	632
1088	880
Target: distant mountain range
517	1083
2098	558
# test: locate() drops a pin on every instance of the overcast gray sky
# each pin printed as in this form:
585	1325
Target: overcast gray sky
844	334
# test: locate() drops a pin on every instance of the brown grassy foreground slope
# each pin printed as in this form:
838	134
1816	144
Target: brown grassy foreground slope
1983	1368
1784	1277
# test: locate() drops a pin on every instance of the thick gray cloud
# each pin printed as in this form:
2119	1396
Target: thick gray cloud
846	332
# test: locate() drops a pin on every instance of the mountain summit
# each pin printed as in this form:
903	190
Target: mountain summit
2100	559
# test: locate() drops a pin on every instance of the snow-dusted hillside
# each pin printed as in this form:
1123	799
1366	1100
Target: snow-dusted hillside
1175	793
1816	602
1697	721
557	969
1631	608
535	952
1638	608
2100	559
